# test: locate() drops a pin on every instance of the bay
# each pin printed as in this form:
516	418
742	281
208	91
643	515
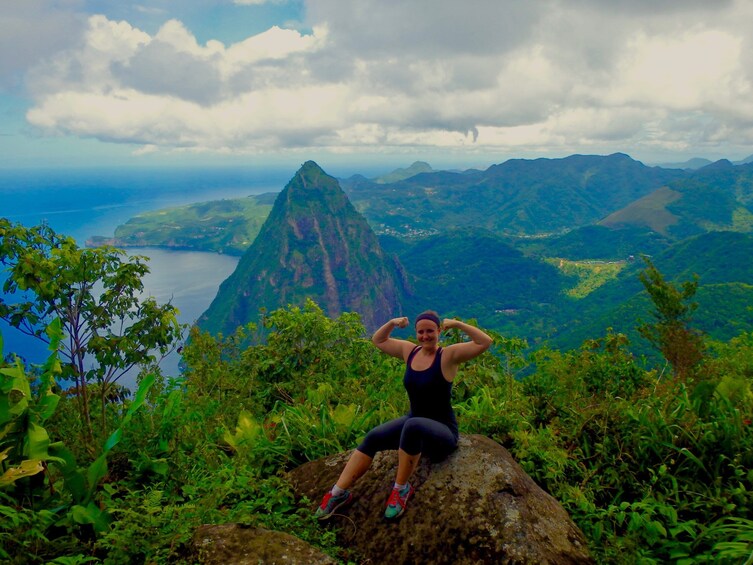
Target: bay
86	202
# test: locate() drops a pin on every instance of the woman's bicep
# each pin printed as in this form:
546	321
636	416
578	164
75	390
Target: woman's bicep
399	348
462	352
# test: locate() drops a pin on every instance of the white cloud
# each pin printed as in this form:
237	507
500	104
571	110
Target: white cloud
684	72
542	76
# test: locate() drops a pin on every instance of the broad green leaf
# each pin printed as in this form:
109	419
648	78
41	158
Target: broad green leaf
72	475
138	400
96	472
38	441
47	405
172	404
85	514
344	414
246	432
25	469
54	331
159	466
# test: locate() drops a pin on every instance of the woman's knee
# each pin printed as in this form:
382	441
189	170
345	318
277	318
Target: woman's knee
370	445
381	438
411	440
424	435
419	426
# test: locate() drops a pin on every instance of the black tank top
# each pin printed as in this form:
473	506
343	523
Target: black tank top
429	392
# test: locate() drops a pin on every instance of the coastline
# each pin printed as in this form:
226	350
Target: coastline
100	241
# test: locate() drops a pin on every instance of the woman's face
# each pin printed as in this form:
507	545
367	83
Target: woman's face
427	333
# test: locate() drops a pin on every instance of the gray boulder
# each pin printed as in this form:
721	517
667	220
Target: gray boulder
233	544
476	506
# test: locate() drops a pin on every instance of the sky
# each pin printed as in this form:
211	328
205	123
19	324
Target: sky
455	83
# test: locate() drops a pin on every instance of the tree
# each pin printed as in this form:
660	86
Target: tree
108	327
671	333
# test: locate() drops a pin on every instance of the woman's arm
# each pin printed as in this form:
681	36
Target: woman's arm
399	348
460	352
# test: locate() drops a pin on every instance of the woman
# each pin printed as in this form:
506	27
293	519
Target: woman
429	427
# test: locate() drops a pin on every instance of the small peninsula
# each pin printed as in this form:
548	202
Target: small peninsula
226	226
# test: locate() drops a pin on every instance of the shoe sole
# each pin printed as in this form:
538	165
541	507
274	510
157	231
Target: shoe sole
345	502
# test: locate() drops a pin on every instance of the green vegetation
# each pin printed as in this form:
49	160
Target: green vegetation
94	296
517	197
221	226
476	272
653	465
589	274
721	260
716	198
598	243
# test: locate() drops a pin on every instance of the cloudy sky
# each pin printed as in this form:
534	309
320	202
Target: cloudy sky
85	82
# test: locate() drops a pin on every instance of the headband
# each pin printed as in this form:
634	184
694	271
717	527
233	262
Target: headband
428	316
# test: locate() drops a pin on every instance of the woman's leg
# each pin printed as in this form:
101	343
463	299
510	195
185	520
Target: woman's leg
356	466
386	436
406	464
383	437
421	435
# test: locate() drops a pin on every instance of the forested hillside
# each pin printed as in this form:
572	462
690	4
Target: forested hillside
653	462
516	197
715	198
719	260
220	226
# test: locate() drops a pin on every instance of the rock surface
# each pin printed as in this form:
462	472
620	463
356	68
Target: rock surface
233	544
476	506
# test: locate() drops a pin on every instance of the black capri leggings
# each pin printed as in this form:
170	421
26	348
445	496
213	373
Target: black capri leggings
413	435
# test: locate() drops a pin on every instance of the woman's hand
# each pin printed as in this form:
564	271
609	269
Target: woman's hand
449	323
400	322
399	348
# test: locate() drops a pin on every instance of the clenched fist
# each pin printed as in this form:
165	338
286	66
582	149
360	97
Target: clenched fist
400	322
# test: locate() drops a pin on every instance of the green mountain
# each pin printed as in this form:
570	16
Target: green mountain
599	242
402	174
717	197
725	294
313	244
694	163
516	197
474	273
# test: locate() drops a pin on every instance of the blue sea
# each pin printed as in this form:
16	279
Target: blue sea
86	202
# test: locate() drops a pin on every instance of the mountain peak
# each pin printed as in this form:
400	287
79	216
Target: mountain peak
314	244
721	164
309	168
416	168
311	175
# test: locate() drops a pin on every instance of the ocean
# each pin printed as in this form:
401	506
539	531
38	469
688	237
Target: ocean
86	202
